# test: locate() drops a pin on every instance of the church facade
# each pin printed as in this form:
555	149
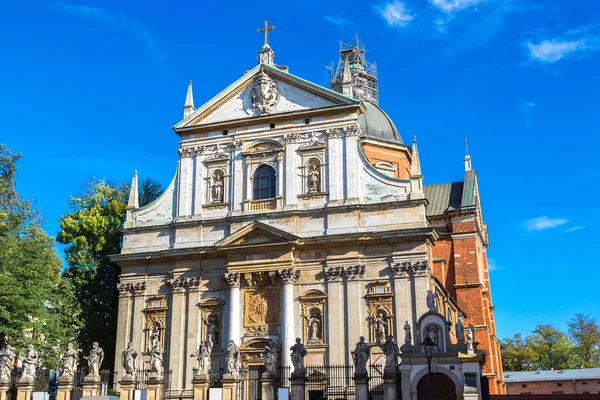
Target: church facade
298	211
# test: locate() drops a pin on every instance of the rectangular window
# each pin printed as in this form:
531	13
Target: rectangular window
225	132
272	126
523	385
307	121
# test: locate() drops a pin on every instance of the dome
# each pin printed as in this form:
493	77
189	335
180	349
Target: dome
375	124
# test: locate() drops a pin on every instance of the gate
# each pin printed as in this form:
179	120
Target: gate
251	383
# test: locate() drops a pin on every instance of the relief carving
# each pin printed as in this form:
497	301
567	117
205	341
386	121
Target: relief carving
264	93
261	308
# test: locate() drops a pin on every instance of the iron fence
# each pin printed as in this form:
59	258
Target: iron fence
216	378
14	379
330	381
142	378
376	382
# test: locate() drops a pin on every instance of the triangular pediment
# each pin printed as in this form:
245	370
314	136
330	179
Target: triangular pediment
257	233
264	90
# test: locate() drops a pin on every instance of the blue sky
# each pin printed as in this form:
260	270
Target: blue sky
91	89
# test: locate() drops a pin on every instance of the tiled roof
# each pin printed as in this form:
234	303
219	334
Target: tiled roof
553	375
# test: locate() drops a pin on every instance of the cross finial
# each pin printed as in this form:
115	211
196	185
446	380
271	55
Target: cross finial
266	30
466	146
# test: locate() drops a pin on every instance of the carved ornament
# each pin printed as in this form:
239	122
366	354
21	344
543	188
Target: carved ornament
261	308
333	274
264	93
354	271
178	285
289	275
233	279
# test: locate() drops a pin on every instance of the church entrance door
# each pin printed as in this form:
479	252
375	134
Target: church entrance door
442	388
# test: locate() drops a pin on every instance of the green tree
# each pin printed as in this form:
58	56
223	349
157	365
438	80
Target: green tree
91	231
516	355
32	293
585	336
552	348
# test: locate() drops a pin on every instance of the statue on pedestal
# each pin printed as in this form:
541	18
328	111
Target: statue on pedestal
298	354
380	326
360	356
431	301
460	331
68	362
30	362
7	361
391	351
129	361
203	358
314	326
270	357
407	334
232	358
94	360
217	188
156	359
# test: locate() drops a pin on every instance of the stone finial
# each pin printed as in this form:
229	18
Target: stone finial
188	107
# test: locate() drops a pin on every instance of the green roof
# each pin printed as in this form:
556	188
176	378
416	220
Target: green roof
444	197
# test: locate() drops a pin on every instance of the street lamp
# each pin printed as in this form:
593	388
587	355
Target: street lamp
428	346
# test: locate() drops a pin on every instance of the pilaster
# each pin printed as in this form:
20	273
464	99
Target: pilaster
291	171
335	318
403	296
289	278
334	166
199	195
237	179
123	319
354	304
351	159
184	205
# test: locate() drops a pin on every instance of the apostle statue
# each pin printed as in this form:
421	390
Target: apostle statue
470	337
68	362
460	331
232	359
30	362
314	179
390	350
407	334
298	354
314	326
431	301
212	329
270	357
360	356
380	326
156	358
203	357
129	360
217	188
94	360
7	361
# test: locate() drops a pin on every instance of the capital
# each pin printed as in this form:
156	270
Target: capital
333	274
289	275
354	272
233	279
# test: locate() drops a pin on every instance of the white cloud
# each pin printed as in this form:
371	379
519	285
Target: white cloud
578	42
336	20
451	6
493	265
542	223
551	51
575	229
114	20
395	13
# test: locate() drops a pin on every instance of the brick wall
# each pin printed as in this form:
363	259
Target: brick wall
554	387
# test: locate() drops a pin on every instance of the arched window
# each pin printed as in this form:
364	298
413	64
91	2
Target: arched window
264	183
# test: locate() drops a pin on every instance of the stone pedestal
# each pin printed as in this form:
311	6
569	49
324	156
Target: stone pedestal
390	379
201	384
127	388
154	388
268	383
405	381
230	387
4	388
361	387
91	386
65	387
298	387
25	389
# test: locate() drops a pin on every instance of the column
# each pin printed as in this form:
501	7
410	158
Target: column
352	165
354	305
291	170
233	280
184	196
335	316
289	277
334	166
25	389
199	184
237	176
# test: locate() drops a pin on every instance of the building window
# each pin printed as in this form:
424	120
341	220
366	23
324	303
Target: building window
307	121
523	385
272	125
225	132
264	183
560	384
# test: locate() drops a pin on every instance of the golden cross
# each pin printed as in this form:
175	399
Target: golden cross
266	30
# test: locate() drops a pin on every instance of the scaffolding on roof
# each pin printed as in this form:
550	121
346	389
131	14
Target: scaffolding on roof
363	73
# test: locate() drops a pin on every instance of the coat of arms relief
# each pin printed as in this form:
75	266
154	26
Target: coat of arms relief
264	93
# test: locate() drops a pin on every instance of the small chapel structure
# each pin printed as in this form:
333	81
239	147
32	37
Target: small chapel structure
299	211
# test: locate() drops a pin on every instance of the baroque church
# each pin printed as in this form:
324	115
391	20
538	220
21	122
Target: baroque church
298	211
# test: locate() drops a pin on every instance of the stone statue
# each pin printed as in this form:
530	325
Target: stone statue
68	362
470	337
460	331
7	361
431	301
212	328
390	350
380	326
156	358
360	356
30	362
407	334
270	357
203	358
314	179
314	326
129	360
432	332
217	188
94	360
298	354
232	359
